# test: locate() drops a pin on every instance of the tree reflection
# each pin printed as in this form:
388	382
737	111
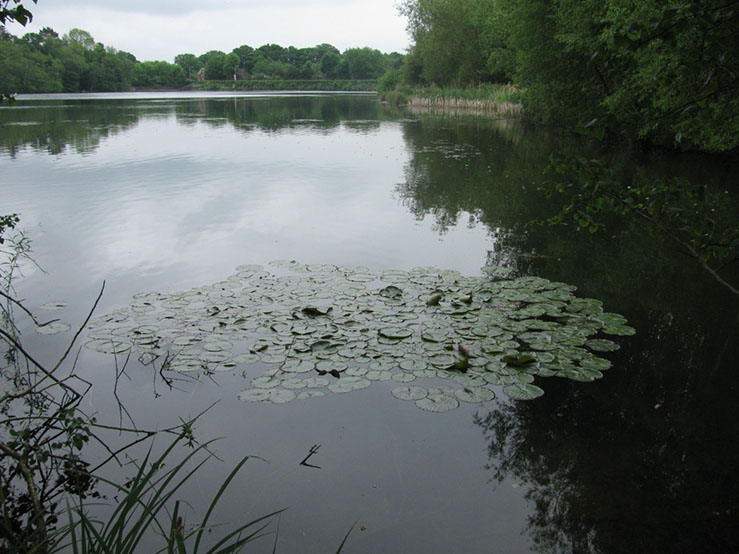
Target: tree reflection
641	461
53	126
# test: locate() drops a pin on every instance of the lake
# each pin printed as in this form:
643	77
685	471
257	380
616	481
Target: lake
170	192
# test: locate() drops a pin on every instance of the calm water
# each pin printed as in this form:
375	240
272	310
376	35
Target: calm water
165	192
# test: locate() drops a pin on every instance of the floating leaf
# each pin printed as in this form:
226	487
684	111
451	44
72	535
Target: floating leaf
54	306
266	382
404	377
437	403
282	396
519	360
310	394
602	345
108	346
217	346
395	332
523	391
348	384
53	328
474	394
267	318
412	364
314	311
410	393
391	292
619	330
255	395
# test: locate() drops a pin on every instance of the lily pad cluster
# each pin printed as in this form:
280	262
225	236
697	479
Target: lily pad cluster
313	329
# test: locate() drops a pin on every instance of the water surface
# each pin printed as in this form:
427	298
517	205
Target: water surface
168	192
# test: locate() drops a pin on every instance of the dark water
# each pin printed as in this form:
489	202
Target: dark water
164	193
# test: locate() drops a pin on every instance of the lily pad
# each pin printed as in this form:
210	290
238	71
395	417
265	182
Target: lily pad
395	332
410	393
602	345
310	394
523	391
437	403
348	384
474	395
302	317
53	328
54	306
255	395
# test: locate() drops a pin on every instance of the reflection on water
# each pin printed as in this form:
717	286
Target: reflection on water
166	194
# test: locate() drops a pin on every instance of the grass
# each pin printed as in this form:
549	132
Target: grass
498	100
148	506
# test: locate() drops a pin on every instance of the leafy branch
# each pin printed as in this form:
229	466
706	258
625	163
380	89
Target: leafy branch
695	217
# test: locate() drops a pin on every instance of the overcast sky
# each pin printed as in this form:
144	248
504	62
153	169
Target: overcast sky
161	29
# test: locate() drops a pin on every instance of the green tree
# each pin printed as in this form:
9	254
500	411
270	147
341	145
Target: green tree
364	63
231	65
330	64
81	38
454	39
189	63
247	56
214	65
159	74
23	70
273	52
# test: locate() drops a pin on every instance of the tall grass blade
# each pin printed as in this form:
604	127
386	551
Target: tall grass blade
215	501
341	546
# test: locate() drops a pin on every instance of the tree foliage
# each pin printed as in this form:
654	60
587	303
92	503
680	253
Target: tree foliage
662	71
46	62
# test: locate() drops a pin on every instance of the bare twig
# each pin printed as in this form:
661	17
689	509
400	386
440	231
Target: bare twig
79	331
22	307
13	342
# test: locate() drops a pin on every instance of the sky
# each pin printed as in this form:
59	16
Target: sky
161	29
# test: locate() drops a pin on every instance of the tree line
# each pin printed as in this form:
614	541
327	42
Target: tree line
75	62
660	70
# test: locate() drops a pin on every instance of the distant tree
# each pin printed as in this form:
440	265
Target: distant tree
127	55
330	64
247	55
322	49
26	71
310	70
159	75
203	59
394	60
231	65
214	67
81	38
364	63
41	40
270	68
189	63
273	52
